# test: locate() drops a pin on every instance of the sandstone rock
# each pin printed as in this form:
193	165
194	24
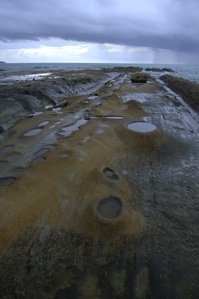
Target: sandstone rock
10	111
30	103
108	210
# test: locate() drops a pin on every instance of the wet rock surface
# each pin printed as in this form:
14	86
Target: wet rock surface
20	99
189	91
99	198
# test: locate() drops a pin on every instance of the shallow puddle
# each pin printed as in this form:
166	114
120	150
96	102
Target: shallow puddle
114	117
35	114
67	131
57	110
27	77
136	96
142	127
110	207
33	132
107	116
100	131
93	97
44	123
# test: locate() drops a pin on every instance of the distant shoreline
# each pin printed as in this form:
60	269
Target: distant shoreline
188	72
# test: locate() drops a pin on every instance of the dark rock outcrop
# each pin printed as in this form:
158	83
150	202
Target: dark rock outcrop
120	69
155	69
10	111
1	130
29	103
14	107
22	99
189	91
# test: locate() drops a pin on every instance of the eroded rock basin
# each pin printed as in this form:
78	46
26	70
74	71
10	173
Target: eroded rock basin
101	207
142	127
109	208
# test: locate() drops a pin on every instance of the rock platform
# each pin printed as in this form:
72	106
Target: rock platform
99	195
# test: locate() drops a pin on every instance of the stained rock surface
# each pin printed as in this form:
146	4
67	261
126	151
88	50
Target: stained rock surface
99	196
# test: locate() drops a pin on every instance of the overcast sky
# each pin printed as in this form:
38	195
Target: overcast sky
121	31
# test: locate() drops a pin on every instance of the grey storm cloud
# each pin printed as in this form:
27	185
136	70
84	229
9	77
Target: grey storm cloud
165	24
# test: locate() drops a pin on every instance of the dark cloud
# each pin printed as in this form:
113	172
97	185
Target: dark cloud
165	24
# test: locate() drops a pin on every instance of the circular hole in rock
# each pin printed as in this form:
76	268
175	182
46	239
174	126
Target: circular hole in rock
142	127
110	207
110	173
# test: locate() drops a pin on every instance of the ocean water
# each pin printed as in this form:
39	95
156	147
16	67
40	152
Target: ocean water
189	72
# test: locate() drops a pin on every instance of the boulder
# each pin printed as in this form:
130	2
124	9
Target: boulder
139	78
